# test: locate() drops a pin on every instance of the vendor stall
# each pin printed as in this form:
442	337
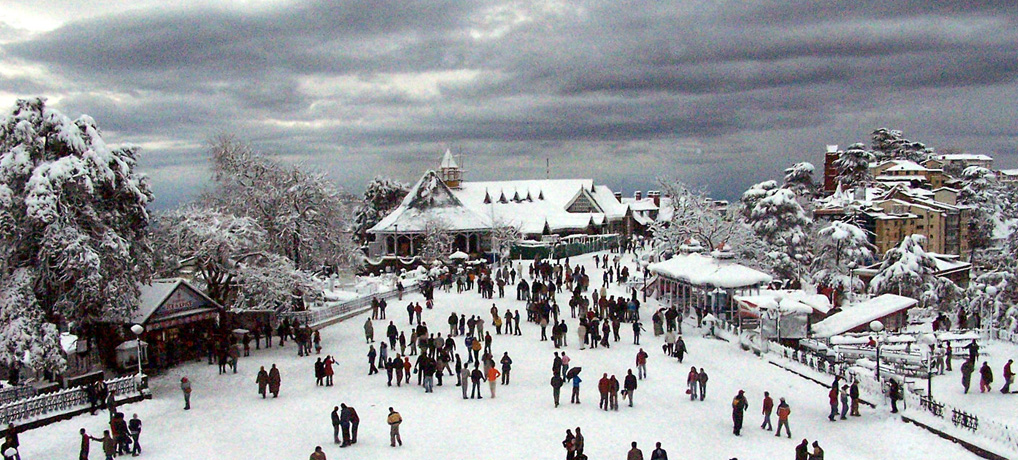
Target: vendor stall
177	319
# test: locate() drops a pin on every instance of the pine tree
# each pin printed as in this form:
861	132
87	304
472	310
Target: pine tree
988	200
381	196
890	144
853	166
910	271
780	221
73	229
841	247
799	179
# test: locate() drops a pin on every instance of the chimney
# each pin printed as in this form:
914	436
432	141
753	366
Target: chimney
656	196
618	196
638	195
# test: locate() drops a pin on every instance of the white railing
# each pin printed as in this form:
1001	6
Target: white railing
317	316
14	393
62	400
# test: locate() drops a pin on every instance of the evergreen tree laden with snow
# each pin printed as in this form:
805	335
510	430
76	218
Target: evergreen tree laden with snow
73	231
380	197
781	222
890	144
754	194
853	166
799	179
908	270
840	248
988	200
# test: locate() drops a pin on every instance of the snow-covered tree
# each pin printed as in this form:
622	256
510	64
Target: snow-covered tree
304	216
890	144
438	240
780	221
504	235
214	242
73	227
754	194
853	165
26	338
269	281
693	216
910	271
988	200
799	179
840	248
380	197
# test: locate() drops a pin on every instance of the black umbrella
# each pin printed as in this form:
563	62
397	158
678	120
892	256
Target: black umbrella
573	372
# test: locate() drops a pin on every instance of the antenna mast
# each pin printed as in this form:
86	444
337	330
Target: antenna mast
547	168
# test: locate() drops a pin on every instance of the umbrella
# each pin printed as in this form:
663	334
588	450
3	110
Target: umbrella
573	372
239	331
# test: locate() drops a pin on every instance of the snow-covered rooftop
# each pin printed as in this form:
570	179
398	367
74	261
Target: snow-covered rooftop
530	205
787	301
962	157
448	162
853	316
703	270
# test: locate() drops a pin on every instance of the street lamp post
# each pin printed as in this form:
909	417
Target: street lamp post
931	341
137	329
878	327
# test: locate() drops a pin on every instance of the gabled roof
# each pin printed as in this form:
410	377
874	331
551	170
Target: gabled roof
152	296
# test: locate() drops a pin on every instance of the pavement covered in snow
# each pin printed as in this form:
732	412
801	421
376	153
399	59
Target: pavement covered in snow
230	420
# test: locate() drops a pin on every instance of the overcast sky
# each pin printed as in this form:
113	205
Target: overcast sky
720	94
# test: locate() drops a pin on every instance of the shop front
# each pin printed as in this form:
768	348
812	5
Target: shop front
178	321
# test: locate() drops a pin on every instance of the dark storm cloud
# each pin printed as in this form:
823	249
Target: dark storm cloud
615	90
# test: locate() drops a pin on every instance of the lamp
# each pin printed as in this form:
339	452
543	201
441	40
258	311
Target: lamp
877	326
138	329
929	340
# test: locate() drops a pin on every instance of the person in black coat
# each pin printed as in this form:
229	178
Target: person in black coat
739	406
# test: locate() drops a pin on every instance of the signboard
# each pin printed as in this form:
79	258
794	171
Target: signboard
182	299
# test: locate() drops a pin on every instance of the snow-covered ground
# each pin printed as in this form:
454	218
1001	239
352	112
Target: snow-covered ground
229	420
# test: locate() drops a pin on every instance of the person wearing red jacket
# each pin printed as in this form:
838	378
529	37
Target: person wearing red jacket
783	412
691	380
603	386
1008	377
768	406
833	395
641	364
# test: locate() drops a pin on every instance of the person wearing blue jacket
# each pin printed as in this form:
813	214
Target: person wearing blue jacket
576	389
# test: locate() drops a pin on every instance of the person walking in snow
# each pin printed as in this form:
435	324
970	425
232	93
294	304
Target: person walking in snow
476	376
109	446
394	420
334	416
967	368
739	406
680	349
659	453
802	450
1008	377
692	380
634	453
832	397
369	331
894	392
134	429
344	424
355	422
507	364
768	406
603	387
641	363
853	393
185	388
629	387
569	443
985	377
844	401
274	381
783	412
556	387
637	328
818	453
702	379
576	389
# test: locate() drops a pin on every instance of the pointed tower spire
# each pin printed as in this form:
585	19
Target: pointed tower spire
452	175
